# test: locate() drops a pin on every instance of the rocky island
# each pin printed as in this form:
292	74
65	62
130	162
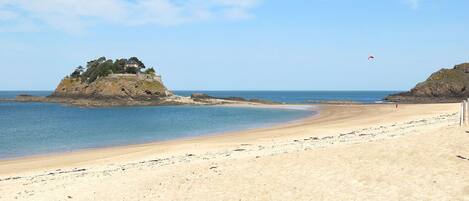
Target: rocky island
445	85
123	79
123	82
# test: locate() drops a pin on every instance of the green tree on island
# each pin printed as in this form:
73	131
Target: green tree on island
102	67
140	63
150	71
77	73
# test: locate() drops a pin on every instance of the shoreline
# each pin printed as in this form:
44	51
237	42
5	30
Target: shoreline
345	149
92	154
315	111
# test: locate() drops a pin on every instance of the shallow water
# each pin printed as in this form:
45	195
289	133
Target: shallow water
38	128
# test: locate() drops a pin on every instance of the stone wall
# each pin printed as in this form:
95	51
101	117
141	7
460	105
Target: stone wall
139	76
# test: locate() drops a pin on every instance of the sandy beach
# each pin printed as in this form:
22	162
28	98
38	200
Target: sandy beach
347	152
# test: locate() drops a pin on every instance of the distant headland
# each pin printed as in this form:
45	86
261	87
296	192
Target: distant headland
122	82
445	85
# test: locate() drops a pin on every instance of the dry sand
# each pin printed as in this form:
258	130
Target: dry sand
349	152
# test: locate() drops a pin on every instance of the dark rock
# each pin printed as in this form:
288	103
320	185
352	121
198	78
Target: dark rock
201	96
25	95
205	97
235	98
255	100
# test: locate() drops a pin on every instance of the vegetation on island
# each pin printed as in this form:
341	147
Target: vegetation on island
103	67
93	82
445	85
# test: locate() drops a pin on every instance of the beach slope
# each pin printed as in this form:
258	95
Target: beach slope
348	152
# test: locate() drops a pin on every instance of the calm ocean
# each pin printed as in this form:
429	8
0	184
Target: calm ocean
300	96
39	128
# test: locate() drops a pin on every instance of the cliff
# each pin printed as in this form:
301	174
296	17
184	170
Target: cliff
445	85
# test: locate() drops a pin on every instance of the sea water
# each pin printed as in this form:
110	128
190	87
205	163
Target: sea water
301	96
39	128
276	96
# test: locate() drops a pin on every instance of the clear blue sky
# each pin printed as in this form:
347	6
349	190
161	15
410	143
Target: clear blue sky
237	44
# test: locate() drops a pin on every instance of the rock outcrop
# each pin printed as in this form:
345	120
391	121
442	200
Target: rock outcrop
114	86
201	97
107	83
445	85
